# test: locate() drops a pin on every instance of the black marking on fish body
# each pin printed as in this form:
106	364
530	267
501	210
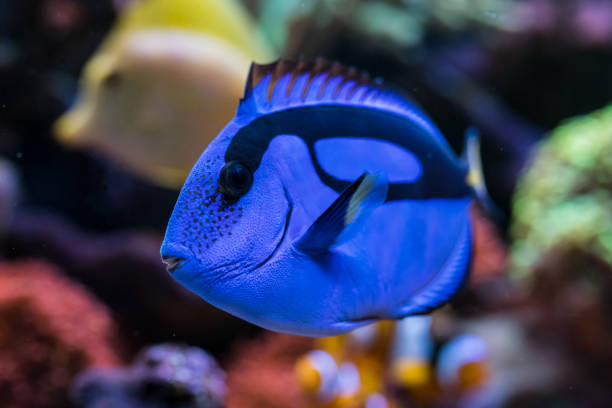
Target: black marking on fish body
443	176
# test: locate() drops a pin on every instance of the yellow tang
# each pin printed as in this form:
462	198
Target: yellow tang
164	82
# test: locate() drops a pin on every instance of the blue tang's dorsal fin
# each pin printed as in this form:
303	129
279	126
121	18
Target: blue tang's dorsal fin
288	84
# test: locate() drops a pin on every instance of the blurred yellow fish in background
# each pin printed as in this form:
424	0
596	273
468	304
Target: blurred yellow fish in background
164	82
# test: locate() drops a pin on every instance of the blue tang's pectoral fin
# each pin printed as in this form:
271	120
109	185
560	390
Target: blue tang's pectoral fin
341	221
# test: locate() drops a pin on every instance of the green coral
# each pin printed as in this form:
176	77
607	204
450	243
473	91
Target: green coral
563	203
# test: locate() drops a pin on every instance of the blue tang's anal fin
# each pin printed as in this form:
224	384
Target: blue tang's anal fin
453	275
344	217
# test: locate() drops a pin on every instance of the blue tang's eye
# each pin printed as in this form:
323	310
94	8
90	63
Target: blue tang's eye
235	180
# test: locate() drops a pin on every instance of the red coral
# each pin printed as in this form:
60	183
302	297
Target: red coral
50	330
261	373
490	252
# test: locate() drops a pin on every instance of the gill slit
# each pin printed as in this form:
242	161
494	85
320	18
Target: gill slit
286	228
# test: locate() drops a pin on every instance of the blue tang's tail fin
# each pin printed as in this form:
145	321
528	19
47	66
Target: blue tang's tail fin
475	176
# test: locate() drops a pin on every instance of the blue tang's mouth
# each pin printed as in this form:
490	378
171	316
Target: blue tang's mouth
174	256
172	262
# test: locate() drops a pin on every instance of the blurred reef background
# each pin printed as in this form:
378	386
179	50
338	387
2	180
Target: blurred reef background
88	314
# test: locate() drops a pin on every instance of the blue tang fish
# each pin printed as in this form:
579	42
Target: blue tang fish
327	203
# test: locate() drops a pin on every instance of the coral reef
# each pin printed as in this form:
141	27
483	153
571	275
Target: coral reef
261	372
125	271
490	252
50	330
562	205
510	68
164	375
562	252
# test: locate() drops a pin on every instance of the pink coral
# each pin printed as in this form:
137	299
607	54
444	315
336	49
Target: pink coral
262	372
50	330
490	251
